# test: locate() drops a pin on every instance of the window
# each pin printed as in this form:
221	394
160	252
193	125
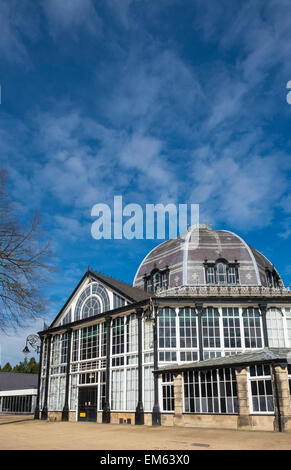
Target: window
231	327
16	404
102	389
118	335
221	273
272	278
211	354
93	300
74	392
210	276
252	328
188	356
275	328
168	392
149	285
88	378
288	322
76	341
131	389
89	342
118	301
148	388
167	356
148	335
289	379
67	318
91	307
165	280
55	355
210	328
211	391
188	329
167	328
261	389
117	389
156	280
131	333
232	275
57	387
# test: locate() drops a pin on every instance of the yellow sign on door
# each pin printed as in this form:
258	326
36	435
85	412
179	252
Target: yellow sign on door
82	415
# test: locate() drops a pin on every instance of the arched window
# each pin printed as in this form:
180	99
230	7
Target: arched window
98	301
275	328
91	307
221	273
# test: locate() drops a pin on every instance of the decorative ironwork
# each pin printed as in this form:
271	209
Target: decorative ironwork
34	342
231	291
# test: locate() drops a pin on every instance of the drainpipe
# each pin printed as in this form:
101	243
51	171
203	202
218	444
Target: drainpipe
277	399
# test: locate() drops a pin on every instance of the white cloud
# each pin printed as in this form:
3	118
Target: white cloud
243	193
71	15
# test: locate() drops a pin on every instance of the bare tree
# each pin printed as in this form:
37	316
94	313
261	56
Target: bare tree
23	264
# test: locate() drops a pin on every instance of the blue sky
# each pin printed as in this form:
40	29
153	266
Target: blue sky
158	101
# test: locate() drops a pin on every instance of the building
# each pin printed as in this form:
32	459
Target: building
202	338
18	392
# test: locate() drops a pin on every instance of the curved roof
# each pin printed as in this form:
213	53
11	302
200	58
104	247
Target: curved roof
186	254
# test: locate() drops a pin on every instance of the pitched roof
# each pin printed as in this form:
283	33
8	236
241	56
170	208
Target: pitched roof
133	293
17	381
251	357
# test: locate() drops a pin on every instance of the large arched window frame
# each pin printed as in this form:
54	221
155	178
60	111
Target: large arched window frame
93	300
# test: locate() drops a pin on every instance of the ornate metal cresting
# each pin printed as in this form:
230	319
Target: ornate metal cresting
224	291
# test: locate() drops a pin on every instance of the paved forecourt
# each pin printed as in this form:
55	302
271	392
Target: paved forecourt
31	434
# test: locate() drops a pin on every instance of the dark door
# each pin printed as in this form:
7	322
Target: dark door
87	410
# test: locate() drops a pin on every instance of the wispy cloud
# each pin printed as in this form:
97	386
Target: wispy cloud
19	23
69	16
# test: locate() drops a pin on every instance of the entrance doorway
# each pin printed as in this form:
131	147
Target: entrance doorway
87	409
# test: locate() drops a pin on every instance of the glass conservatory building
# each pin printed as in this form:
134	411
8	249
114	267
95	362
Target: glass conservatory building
201	338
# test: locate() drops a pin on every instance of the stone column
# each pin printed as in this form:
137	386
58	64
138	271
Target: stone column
178	397
65	412
36	411
282	403
244	421
139	412
106	408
